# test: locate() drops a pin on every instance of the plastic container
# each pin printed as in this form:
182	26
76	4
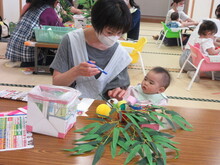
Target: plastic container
51	34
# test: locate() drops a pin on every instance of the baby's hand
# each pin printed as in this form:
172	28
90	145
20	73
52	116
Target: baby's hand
117	93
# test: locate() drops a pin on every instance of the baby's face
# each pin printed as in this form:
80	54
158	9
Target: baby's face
152	83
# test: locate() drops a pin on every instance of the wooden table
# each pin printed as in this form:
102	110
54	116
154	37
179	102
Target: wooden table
37	48
200	147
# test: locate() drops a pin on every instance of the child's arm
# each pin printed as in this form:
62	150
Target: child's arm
217	42
213	51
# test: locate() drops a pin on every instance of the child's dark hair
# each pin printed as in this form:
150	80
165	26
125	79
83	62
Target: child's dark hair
166	76
207	26
174	16
176	1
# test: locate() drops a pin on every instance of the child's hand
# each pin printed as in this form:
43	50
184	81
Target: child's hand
117	93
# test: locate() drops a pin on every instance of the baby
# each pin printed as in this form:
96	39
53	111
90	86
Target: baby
150	91
174	23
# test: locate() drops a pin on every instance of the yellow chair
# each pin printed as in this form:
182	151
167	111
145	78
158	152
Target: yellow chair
135	49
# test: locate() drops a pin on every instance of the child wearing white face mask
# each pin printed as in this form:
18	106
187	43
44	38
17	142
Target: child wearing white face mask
91	60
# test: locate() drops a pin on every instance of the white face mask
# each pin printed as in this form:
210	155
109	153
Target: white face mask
180	8
108	41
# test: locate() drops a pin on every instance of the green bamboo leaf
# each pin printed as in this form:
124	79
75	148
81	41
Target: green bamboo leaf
123	131
115	136
105	127
88	137
171	112
133	144
171	123
181	125
156	119
139	133
160	114
141	153
83	149
98	154
124	145
128	125
180	118
163	153
141	119
132	120
165	134
154	147
87	127
148	118
113	151
114	141
73	149
147	136
159	161
94	129
163	139
148	153
142	161
169	146
109	139
133	153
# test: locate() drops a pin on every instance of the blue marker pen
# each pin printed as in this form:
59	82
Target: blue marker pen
98	67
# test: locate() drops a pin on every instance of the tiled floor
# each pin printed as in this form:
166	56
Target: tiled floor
205	94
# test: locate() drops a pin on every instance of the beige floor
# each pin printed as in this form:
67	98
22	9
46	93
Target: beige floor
205	94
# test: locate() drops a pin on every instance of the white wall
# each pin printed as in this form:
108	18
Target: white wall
11	10
202	9
154	7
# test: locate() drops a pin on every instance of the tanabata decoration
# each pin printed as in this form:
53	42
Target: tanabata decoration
128	129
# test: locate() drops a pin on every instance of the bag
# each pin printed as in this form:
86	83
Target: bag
4	28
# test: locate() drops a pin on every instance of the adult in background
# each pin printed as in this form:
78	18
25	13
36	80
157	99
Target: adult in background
133	33
97	44
185	20
40	12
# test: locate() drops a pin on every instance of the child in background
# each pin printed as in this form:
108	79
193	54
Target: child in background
150	91
174	23
206	32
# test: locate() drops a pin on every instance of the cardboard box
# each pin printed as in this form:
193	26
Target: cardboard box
52	109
